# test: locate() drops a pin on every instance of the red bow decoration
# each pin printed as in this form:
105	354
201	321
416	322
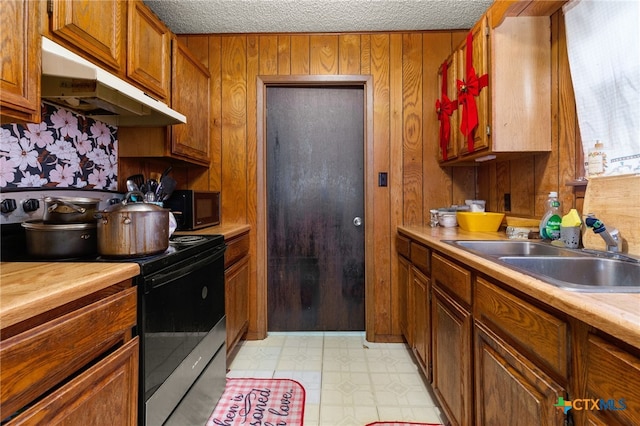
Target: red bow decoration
444	109
467	91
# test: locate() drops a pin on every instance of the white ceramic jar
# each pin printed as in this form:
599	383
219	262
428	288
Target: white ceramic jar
447	219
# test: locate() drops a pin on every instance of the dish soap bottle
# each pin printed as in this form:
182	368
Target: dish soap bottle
550	223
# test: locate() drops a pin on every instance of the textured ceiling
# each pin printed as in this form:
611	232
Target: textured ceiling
271	16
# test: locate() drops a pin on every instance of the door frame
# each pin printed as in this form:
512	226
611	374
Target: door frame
264	81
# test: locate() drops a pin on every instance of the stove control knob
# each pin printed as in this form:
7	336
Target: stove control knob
8	205
31	205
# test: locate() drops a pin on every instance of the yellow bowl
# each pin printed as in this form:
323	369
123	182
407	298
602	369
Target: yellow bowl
480	221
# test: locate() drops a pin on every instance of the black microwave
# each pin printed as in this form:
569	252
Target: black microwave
194	209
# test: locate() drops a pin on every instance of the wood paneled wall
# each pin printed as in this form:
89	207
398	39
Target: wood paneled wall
403	67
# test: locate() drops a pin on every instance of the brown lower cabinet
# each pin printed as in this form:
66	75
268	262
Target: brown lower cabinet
78	366
421	287
451	324
500	357
108	390
415	299
236	276
503	374
613	378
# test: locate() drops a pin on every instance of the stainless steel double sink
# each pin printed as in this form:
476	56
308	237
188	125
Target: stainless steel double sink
571	269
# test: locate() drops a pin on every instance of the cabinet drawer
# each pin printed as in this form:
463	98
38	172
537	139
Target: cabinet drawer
451	277
420	257
33	362
237	248
107	390
403	246
613	375
539	333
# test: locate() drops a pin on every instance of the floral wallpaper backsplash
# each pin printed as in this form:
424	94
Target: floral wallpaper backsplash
64	150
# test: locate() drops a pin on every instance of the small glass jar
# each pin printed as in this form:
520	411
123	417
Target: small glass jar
597	160
433	218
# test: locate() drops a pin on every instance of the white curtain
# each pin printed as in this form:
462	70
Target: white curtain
603	42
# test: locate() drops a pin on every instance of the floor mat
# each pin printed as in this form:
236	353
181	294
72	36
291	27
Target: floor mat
402	424
260	401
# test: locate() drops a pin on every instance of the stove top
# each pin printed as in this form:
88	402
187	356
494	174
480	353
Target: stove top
181	248
21	205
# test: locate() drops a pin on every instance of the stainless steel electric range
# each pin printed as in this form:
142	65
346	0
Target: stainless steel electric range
181	316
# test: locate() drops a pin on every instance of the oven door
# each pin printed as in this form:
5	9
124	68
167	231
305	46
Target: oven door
180	308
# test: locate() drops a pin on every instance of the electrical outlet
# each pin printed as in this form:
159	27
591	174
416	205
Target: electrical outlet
382	179
507	202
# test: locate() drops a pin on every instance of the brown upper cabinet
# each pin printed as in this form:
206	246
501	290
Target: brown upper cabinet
94	29
514	109
190	92
149	51
20	63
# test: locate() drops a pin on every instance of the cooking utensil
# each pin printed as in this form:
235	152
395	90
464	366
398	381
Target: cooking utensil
61	210
138	179
166	172
60	241
166	187
132	229
152	185
131	186
150	197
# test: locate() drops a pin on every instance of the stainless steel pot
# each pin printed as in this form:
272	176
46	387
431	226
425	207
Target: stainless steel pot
133	229
58	210
66	241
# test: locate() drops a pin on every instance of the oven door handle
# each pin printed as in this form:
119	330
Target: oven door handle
158	280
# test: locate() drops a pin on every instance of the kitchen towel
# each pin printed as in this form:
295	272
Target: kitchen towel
260	401
605	71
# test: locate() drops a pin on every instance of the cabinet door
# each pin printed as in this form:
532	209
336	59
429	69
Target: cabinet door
148	34
480	62
451	352
510	390
453	74
237	301
406	313
613	376
106	392
20	63
190	96
96	29
422	320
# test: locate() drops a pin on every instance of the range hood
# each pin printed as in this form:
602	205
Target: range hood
76	84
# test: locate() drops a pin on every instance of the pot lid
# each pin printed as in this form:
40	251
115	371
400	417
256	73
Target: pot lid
40	226
72	199
133	206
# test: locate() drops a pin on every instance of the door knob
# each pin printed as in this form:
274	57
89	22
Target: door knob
357	221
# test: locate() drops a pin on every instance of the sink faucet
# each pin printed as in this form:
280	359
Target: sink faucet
611	238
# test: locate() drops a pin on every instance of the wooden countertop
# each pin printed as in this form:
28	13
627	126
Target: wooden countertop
229	230
28	289
617	314
31	288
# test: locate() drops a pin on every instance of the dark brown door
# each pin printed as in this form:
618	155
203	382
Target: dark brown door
315	199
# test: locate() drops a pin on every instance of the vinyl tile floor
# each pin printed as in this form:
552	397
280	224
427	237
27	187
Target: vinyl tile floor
348	380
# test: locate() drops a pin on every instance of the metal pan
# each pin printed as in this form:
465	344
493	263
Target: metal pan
64	210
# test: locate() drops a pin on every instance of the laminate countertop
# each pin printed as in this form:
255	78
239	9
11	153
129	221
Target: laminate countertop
28	289
617	314
229	230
